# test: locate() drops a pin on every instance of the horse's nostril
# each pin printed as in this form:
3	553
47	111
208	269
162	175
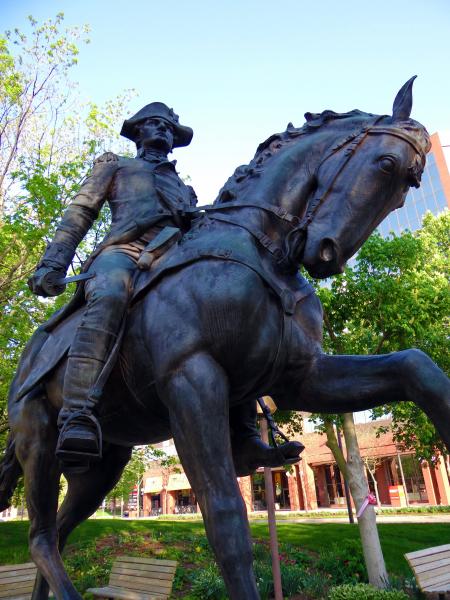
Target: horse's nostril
327	250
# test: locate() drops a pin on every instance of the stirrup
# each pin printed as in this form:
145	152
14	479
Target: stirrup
72	457
274	431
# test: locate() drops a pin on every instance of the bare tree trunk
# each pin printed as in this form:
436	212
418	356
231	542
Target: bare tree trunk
357	481
375	484
354	472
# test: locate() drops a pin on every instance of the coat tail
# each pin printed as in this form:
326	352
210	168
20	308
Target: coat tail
10	471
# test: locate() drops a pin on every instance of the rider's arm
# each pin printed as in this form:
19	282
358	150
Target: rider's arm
75	223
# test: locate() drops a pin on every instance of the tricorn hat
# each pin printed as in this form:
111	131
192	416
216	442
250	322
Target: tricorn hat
182	135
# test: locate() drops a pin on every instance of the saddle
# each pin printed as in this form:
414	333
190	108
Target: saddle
205	241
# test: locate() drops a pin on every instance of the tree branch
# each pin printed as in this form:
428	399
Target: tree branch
333	445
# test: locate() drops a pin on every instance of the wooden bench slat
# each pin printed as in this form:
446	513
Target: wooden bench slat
431	568
17	578
119	593
141	583
424	571
147	561
14	583
17	574
425	560
17	567
440	588
135	568
134	578
443	579
117	570
15	590
427	551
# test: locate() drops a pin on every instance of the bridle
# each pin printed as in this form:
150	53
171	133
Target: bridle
350	144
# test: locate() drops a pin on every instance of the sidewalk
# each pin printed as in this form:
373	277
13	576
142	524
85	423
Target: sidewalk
425	518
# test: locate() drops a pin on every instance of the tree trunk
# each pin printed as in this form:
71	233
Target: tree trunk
375	484
357	482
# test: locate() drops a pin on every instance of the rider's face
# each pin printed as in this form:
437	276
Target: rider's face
156	133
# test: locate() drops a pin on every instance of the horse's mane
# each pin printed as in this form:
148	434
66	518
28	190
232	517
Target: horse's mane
314	121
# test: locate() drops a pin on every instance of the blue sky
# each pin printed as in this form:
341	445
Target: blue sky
237	72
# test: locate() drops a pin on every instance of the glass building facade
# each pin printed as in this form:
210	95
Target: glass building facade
433	194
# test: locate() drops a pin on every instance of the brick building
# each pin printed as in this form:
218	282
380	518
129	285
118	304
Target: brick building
398	478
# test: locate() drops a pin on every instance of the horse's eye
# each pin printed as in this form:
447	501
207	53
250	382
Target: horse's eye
387	164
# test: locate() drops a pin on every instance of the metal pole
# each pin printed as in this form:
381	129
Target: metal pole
270	501
346	488
403	478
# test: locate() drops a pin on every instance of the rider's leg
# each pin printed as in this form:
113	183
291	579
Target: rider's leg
107	296
249	451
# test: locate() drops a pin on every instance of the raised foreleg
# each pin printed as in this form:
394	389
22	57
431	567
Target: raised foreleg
337	384
196	394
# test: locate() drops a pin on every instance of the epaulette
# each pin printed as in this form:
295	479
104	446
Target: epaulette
193	196
106	158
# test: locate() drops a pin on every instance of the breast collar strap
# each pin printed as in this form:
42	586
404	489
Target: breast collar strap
264	240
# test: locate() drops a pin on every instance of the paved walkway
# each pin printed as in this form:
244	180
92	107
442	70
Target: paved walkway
425	518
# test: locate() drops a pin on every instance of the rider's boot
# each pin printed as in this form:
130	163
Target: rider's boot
249	451
80	437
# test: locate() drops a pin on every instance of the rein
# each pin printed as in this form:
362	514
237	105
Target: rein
298	225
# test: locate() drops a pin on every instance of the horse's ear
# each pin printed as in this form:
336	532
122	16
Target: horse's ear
403	102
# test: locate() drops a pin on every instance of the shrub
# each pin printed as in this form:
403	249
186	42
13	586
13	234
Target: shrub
343	562
261	551
208	583
314	585
292	579
364	591
264	579
299	557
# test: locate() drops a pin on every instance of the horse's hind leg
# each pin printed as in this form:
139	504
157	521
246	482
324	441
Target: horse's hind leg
85	493
197	397
35	436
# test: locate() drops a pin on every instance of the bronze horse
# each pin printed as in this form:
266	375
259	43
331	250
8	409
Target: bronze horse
227	319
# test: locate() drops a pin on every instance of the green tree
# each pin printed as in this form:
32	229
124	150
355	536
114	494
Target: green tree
49	140
394	297
142	458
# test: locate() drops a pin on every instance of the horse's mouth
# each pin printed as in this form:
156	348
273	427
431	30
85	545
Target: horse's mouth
324	260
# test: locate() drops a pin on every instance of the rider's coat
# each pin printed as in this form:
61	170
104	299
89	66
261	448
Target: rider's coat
143	195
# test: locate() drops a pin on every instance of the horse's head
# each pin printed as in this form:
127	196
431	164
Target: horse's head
363	176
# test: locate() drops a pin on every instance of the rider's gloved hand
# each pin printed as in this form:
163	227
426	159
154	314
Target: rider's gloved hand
44	282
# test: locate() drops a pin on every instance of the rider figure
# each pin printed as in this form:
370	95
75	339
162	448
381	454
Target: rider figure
145	194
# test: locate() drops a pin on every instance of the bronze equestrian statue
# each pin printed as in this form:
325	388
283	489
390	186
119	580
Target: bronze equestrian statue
222	317
146	198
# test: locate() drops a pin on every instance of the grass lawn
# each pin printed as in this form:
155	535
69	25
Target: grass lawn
396	538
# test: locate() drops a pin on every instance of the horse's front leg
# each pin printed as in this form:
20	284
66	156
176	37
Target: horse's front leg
337	384
196	393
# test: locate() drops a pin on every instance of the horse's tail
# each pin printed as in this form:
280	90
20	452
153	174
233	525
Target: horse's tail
10	471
